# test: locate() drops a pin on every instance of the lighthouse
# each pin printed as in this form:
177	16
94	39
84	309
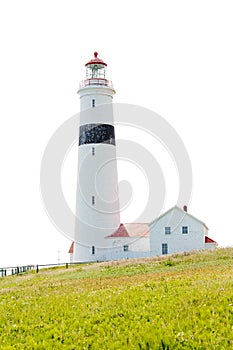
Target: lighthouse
97	202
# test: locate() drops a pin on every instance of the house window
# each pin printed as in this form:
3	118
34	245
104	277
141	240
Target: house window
93	250
164	248
93	151
185	230
126	248
93	103
93	200
167	230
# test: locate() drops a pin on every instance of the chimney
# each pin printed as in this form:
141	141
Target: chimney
185	208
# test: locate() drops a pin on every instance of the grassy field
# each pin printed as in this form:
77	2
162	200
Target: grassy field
175	302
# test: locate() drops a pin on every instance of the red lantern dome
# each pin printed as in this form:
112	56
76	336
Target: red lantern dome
96	61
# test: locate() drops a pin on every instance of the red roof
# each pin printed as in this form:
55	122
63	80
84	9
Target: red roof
209	240
96	60
71	250
120	232
131	230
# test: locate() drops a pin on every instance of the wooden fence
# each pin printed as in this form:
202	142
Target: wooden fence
17	270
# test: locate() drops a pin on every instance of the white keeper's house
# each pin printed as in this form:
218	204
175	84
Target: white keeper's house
175	231
178	231
99	235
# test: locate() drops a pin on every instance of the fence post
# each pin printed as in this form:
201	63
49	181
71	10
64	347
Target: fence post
67	265
37	268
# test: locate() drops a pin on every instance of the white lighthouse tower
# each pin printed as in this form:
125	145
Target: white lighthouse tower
97	204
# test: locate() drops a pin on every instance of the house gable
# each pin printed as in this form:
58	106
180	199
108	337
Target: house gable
177	231
179	214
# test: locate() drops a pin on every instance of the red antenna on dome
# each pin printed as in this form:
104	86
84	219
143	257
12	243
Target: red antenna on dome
95	54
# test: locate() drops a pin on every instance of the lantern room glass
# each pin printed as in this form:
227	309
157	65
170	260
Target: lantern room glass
95	71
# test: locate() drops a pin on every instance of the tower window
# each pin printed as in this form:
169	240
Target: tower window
93	250
164	248
93	103
185	230
93	151
126	248
93	200
167	230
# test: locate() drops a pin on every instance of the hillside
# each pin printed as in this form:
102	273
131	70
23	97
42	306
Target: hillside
182	301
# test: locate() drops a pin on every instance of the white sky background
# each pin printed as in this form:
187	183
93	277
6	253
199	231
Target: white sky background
173	57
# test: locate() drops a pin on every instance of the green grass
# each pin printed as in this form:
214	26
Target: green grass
183	301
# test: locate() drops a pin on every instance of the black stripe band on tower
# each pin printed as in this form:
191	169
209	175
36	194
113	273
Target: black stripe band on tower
96	133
